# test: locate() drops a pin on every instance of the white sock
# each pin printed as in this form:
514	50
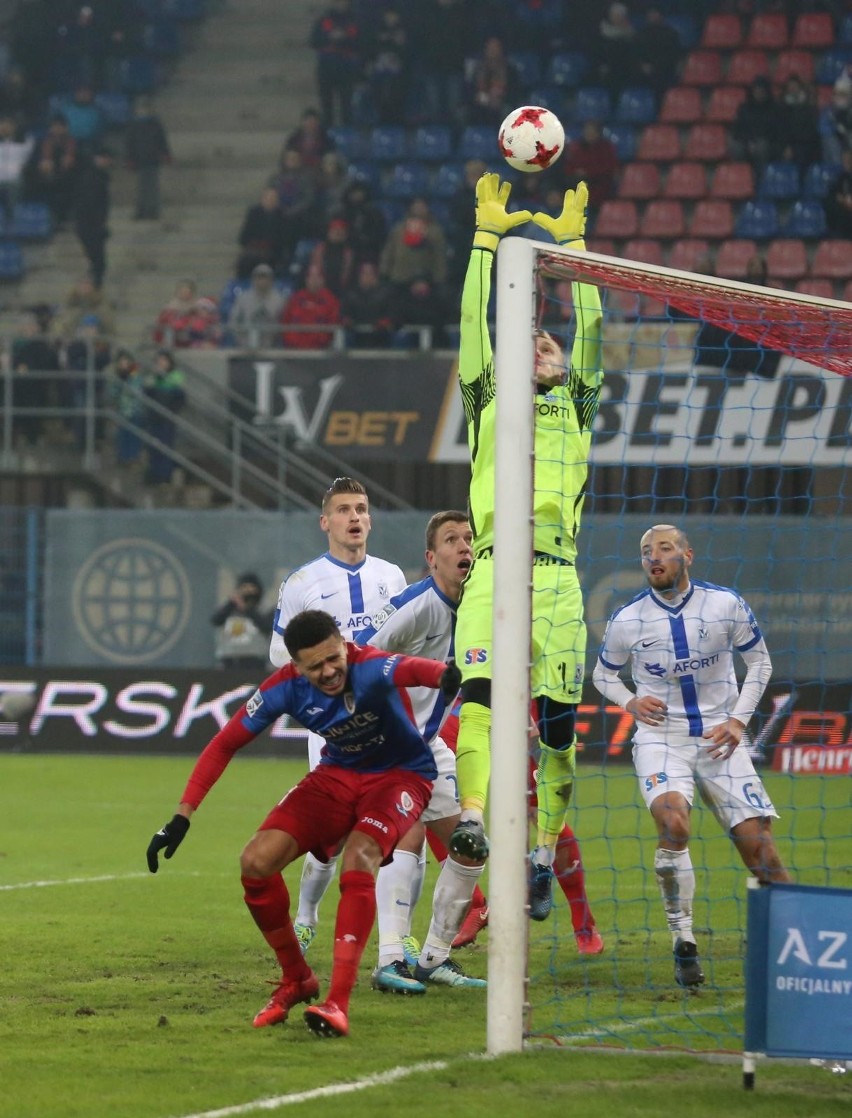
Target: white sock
418	879
544	855
453	892
393	903
676	879
316	878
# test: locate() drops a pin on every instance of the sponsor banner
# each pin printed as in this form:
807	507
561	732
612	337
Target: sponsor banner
410	408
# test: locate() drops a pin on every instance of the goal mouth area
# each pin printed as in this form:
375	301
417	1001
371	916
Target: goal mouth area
811	328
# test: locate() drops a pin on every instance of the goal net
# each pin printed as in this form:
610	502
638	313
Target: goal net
726	409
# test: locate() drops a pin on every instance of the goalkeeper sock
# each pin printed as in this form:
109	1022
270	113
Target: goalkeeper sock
553	791
393	902
316	878
355	915
473	756
453	892
572	880
676	879
268	901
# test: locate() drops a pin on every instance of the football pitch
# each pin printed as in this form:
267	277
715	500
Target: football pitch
129	995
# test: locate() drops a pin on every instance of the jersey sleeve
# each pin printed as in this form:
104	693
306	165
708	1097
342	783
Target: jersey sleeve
395	631
586	374
216	757
290	602
476	358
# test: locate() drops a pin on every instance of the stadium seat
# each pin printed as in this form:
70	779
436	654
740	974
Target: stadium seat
831	64
702	67
806	219
659	143
846	293
621	305
813	31
845	35
11	260
567	68
592	102
690	255
393	210
407	180
636	105
686	26
432	142
366	170
724	103
733	257
822	288
362	107
624	138
662	218
137	74
644	249
787	259
230	291
551	97
388	143
768	31
818	178
639	180
706	142
30	221
477	141
757	220
115	107
681	105
617	218
733	180
447	180
794	64
779	181
712	218
744	66
722	31
604	245
686	180
528	66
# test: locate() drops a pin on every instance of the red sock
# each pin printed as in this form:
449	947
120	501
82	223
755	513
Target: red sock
268	901
356	914
572	879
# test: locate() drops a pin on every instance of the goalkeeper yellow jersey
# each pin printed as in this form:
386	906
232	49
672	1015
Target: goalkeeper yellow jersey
563	418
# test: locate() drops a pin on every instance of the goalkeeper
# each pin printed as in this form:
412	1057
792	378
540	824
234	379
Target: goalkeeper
566	401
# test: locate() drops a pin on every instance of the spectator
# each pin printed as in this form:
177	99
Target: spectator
310	140
388	66
188	319
336	38
126	395
166	388
82	41
242	628
613	48
18	100
256	312
365	310
89	350
146	151
655	52
439	60
418	303
838	200
335	257
593	158
837	120
263	236
494	87
416	249
84	299
15	150
756	131
91	209
331	182
295	189
86	122
799	123
34	353
52	168
367	226
313	303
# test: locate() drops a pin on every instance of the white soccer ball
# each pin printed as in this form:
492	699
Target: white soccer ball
531	138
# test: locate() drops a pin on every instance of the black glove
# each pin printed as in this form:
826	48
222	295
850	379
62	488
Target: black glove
169	837
450	682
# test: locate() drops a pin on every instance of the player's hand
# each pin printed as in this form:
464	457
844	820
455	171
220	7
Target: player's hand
648	709
724	739
570	226
492	218
168	838
450	680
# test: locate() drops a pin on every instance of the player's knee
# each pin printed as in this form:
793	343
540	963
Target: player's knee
476	691
556	723
254	864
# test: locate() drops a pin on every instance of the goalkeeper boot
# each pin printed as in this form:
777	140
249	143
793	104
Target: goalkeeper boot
541	891
396	978
472	925
589	941
410	950
305	935
287	994
469	840
447	973
687	968
327	1020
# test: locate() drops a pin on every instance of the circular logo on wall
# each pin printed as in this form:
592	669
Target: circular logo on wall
131	601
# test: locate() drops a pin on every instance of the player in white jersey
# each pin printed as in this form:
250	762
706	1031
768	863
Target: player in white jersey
677	639
423	617
353	587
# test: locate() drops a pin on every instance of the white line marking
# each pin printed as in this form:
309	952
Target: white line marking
87	880
645	1022
273	1103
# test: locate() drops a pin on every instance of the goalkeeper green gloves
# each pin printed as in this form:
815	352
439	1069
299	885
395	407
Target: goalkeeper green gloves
568	228
168	838
492	220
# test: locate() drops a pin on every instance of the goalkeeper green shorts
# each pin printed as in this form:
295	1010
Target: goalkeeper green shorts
558	629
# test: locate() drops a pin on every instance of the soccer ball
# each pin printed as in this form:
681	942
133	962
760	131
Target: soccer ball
531	138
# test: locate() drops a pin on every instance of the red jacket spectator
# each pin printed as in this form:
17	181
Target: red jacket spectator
311	303
594	159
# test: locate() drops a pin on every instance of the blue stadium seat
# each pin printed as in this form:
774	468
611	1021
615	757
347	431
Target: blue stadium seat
348	141
230	291
549	97
432	142
528	65
592	102
757	220
186	10
806	219
624	138
818	178
30	221
447	180
636	105
363	108
407	180
832	63
137	74
686	26
11	260
567	68
388	143
393	210
161	38
779	181
365	170
844	36
115	107
477	141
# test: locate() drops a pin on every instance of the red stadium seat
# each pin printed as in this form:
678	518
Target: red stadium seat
686	180
846	294
813	31
822	288
746	65
617	218
706	142
724	102
690	255
712	218
702	67
681	105
662	218
794	64
734	180
643	249
833	260
768	31
640	180
787	259
604	245
659	143
733	257
722	32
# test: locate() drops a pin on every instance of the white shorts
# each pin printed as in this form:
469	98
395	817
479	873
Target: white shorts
731	788
445	791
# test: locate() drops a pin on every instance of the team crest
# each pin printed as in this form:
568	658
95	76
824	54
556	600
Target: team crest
349	702
405	805
702	632
254	704
382	588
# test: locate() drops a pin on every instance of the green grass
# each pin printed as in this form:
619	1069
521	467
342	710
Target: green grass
133	995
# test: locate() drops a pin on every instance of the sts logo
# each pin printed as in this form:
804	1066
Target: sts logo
476	656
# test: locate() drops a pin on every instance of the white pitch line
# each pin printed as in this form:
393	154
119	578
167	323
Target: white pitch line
644	1022
273	1103
86	880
